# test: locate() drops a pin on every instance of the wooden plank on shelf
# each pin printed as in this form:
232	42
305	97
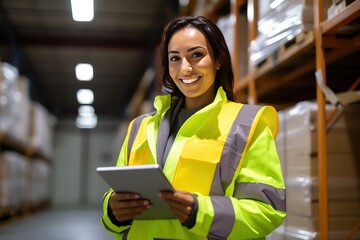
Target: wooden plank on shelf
13	144
330	41
8	141
294	44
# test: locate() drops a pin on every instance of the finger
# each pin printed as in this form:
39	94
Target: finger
124	204
124	196
181	197
180	207
181	211
127	215
181	215
130	211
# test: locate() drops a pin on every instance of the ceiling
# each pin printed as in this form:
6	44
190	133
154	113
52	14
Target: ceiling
42	40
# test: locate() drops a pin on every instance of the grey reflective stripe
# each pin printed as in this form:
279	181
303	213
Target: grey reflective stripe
107	227
222	224
262	192
125	234
134	130
233	149
224	216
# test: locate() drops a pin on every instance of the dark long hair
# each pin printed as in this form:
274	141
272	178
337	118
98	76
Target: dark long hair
224	76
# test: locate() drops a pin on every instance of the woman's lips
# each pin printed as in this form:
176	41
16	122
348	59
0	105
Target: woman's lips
189	80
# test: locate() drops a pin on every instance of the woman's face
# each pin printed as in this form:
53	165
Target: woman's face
192	66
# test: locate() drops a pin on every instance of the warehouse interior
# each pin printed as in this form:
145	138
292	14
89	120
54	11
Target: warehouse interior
300	56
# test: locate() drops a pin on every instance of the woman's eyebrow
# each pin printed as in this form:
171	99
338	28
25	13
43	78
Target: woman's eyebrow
173	51
189	50
196	47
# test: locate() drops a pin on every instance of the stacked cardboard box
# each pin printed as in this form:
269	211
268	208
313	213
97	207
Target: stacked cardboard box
297	147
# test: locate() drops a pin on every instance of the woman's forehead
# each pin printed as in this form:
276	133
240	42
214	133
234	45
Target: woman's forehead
187	36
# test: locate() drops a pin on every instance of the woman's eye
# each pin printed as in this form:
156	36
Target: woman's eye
174	58
197	54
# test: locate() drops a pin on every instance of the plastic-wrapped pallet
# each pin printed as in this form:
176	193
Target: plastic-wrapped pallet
275	26
42	129
279	24
20	116
14	104
40	179
297	146
12	179
8	78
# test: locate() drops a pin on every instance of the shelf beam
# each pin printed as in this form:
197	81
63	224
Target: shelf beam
321	124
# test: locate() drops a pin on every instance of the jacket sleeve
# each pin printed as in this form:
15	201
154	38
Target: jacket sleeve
106	220
255	204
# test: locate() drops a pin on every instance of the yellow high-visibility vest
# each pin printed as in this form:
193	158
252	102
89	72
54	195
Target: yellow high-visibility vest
225	155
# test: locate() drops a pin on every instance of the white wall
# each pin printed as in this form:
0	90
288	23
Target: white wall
77	153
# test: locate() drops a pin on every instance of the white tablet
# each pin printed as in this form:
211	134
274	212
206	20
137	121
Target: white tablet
147	180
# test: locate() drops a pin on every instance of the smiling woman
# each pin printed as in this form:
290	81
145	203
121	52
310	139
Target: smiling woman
220	156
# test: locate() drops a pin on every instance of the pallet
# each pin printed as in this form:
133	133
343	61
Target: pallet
11	214
284	50
8	214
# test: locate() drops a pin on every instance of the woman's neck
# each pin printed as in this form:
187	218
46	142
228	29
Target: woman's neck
200	101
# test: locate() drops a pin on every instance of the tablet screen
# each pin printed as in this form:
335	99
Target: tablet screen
146	180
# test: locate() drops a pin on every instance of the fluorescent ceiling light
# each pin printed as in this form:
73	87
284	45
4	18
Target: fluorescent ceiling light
84	71
85	96
275	3
86	122
82	10
86	111
184	2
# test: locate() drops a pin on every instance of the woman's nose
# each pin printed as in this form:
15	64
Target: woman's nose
186	66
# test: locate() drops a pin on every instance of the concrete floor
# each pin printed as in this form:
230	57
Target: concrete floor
57	224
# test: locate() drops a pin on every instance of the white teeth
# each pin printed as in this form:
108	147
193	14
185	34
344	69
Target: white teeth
188	81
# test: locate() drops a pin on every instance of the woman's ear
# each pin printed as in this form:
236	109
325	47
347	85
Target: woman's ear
218	65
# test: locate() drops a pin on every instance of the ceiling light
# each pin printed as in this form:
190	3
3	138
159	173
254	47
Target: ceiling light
82	10
184	2
275	3
86	111
84	71
85	96
86	122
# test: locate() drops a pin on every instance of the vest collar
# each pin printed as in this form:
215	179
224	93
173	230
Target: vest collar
163	102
